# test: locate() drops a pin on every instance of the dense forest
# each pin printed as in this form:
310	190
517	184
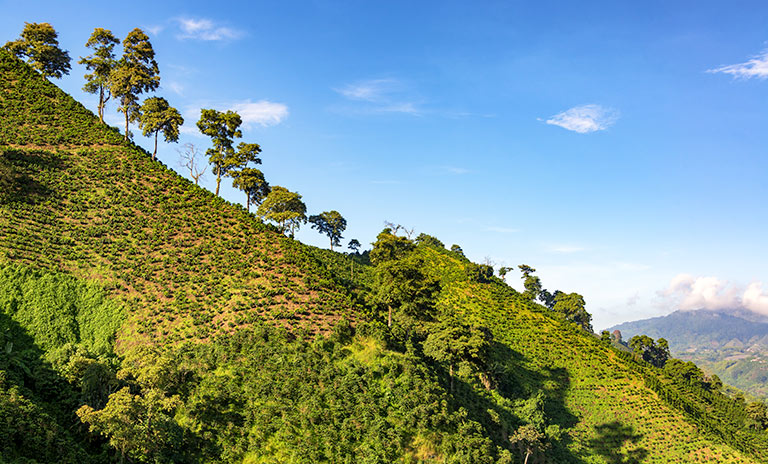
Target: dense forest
145	319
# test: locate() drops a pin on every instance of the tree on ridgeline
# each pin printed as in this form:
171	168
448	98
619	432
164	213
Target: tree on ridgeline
548	299
189	158
135	74
39	45
657	354
573	308
156	116
401	287
285	209
452	342
330	223
503	271
531	282
252	182
354	245
100	63
222	128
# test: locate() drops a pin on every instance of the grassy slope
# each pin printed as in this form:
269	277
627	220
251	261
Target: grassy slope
187	265
604	399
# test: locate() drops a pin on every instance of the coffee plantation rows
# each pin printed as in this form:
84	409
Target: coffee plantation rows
144	319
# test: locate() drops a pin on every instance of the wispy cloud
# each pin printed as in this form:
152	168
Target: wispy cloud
381	96
452	170
154	30
175	87
585	118
263	113
205	29
688	292
756	67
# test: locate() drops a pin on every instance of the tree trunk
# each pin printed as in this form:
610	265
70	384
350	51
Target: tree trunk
218	179
527	455
331	244
101	103
450	374
389	316
155	152
248	202
126	124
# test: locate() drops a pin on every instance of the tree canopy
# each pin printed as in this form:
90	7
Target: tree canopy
330	223
136	73
158	116
252	182
222	128
39	44
285	209
101	64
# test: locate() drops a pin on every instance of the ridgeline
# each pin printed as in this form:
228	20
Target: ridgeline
144	318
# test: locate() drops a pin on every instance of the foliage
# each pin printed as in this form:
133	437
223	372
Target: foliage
222	128
39	44
652	352
101	64
156	116
330	223
136	73
572	307
284	208
252	182
531	282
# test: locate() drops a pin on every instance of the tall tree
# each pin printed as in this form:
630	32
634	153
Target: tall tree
100	63
156	116
330	223
284	208
222	128
531	282
136	73
452	342
354	245
39	44
572	307
252	182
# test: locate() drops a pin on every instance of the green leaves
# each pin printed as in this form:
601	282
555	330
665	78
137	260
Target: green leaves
158	116
284	208
136	73
39	44
101	64
222	128
330	223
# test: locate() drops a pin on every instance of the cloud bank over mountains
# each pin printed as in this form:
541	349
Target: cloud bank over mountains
687	292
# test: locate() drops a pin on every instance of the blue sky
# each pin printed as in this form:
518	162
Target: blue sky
618	147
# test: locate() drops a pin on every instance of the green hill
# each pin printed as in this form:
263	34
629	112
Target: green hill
143	318
720	342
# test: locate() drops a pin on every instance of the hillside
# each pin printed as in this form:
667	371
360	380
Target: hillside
145	319
720	342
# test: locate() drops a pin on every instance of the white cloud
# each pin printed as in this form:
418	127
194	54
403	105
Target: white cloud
154	30
381	96
175	87
263	113
756	67
585	118
372	90
687	292
205	29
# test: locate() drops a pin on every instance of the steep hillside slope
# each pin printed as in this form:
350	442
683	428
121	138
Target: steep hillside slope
605	397
95	236
187	264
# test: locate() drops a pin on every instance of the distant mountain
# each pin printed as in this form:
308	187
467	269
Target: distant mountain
732	344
